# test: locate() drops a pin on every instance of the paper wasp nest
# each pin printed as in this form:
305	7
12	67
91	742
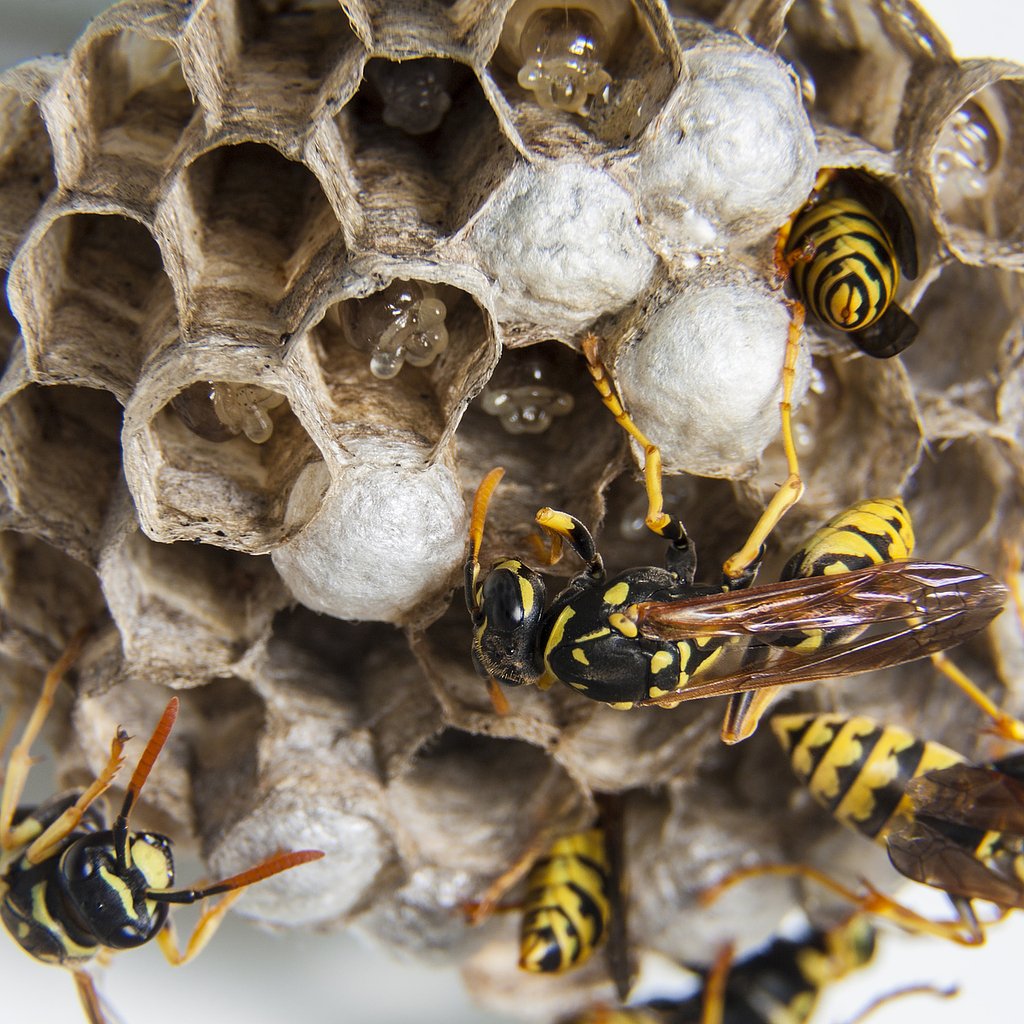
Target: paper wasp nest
286	279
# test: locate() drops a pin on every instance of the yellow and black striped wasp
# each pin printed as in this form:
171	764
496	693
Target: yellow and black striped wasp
72	889
850	601
779	984
944	821
574	900
845	250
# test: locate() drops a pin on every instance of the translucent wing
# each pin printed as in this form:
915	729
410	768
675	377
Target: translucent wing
923	853
970	795
823	627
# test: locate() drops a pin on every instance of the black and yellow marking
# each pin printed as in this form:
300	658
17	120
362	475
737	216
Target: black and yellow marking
856	769
780	985
845	250
72	888
568	904
867	533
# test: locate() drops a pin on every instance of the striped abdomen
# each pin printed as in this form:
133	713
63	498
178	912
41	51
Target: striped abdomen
870	532
857	769
567	907
851	273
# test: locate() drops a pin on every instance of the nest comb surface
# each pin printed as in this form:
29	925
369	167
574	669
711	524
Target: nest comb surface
204	211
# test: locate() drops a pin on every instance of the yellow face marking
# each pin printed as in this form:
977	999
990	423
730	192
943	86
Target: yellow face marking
557	631
152	862
42	916
526	594
617	594
580	655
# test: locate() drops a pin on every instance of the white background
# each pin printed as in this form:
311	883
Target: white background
247	975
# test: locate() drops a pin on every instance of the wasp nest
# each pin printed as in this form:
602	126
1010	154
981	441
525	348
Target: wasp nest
286	279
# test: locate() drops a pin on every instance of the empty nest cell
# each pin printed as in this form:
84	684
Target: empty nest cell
426	148
264	226
93	300
62	459
27	173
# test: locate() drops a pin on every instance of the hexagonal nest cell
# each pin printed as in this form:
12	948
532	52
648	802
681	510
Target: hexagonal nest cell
286	280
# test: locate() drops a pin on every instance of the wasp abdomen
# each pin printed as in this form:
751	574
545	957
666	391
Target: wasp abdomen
567	907
850	274
867	533
857	769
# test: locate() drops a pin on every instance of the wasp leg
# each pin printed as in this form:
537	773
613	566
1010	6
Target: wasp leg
713	1004
19	762
1003	723
490	902
564	528
744	712
907	990
92	1006
793	486
46	844
965	931
682	558
211	917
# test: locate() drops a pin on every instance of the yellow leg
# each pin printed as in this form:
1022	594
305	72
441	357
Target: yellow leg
908	990
745	711
490	902
1004	724
212	915
713	1003
209	921
870	901
793	487
89	997
45	845
20	761
657	519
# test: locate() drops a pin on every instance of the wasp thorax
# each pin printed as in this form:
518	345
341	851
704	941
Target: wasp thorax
403	323
219	411
966	155
525	400
415	93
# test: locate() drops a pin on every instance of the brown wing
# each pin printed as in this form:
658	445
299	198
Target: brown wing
892	613
922	853
970	795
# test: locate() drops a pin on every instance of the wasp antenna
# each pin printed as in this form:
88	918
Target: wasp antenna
480	504
138	780
265	869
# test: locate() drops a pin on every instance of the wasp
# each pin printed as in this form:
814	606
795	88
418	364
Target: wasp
652	636
73	889
574	899
780	984
568	905
944	821
845	250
